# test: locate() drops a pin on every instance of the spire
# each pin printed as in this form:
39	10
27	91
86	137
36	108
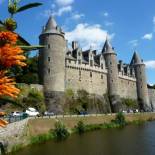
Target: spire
51	24
136	59
107	48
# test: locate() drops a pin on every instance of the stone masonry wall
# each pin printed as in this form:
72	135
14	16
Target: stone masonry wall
127	87
12	134
94	80
152	97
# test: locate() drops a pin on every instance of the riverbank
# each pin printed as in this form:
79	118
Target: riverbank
23	133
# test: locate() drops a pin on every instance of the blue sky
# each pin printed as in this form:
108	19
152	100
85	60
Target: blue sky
129	23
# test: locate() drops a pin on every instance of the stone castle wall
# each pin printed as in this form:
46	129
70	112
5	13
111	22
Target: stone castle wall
152	97
127	87
94	80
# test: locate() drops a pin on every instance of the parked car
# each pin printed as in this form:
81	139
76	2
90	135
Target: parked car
16	113
32	112
83	113
136	111
124	111
49	113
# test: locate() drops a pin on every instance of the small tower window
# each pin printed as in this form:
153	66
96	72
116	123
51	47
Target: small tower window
91	63
49	46
91	74
49	70
101	76
49	59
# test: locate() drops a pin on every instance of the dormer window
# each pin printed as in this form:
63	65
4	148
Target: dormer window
91	63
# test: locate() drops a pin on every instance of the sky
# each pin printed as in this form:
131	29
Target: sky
130	25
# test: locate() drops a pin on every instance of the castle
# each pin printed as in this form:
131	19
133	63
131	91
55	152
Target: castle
61	68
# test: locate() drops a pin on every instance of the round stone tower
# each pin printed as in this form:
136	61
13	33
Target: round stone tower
52	64
142	90
112	77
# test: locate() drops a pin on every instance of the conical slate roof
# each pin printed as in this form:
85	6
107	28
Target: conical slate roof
136	59
51	24
107	48
52	27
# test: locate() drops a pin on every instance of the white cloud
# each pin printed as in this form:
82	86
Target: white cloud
133	43
62	10
107	23
105	14
150	64
88	35
64	2
77	16
59	12
148	36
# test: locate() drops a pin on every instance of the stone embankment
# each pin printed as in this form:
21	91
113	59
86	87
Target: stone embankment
13	134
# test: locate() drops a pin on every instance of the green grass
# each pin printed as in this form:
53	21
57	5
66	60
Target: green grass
41	138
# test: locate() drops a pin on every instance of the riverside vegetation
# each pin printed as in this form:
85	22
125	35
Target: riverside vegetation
61	132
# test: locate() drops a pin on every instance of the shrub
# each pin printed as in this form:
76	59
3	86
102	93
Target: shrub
60	132
120	119
130	103
80	128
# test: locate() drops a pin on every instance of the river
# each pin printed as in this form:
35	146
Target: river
131	140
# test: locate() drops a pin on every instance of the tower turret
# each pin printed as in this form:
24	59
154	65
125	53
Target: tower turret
112	77
142	90
52	64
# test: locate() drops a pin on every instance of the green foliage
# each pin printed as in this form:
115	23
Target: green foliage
120	119
41	138
60	132
13	6
35	99
130	103
16	148
80	128
83	98
27	74
28	6
69	93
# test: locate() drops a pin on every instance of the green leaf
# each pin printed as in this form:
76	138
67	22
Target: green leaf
31	48
1	22
28	6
